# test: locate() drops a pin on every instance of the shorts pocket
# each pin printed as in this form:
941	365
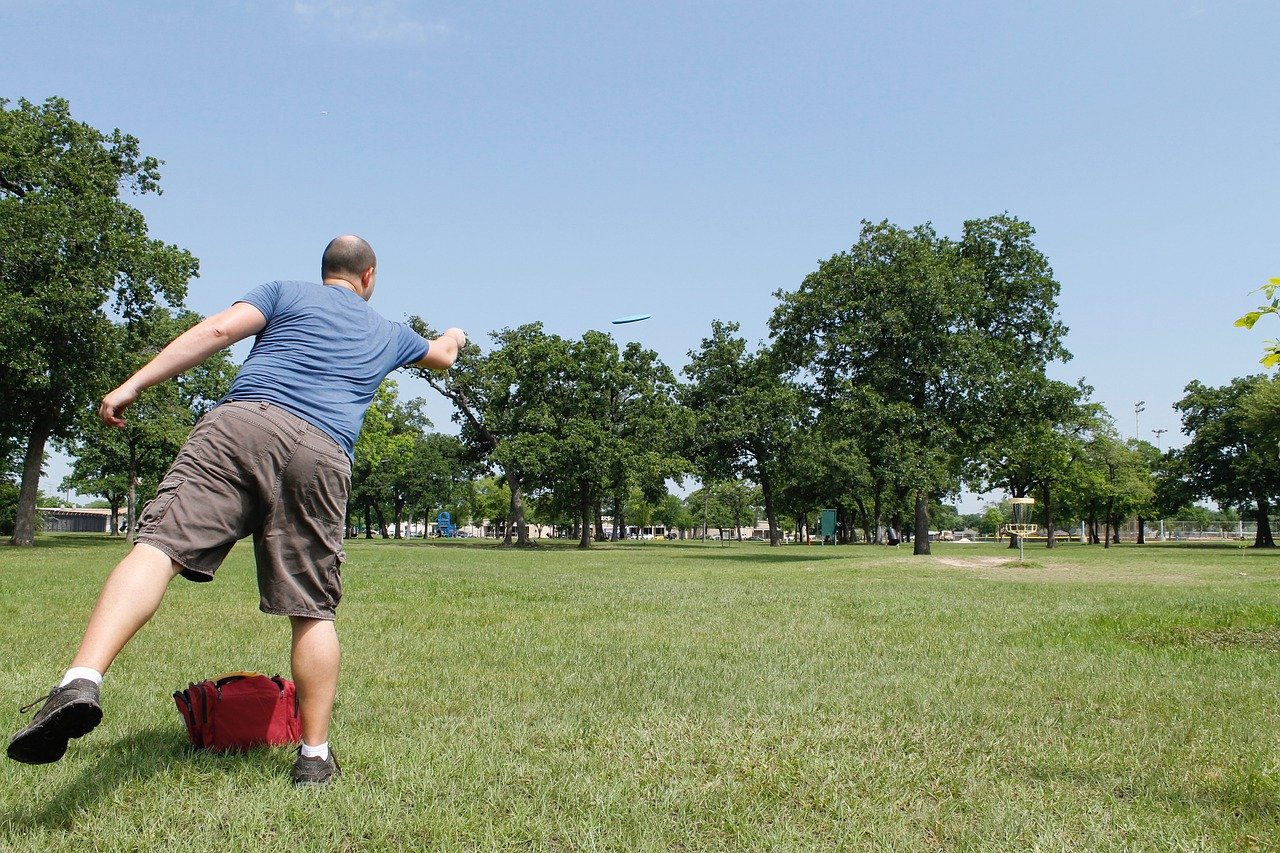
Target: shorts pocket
335	577
156	508
325	497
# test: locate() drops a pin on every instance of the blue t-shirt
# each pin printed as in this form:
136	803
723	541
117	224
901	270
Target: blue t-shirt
322	355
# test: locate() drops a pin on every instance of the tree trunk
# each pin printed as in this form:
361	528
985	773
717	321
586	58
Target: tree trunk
877	511
382	521
599	510
619	520
24	526
1142	531
1106	529
584	515
398	511
1262	538
515	479
131	502
769	512
864	519
921	545
115	516
1046	497
368	524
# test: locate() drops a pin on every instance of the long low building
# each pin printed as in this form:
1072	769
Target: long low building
75	519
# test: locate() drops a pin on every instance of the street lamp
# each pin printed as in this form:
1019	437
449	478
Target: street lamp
1160	432
1138	408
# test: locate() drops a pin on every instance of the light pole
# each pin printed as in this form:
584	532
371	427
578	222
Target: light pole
1138	408
1160	432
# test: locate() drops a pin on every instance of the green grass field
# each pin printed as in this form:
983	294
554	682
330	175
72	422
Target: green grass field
659	696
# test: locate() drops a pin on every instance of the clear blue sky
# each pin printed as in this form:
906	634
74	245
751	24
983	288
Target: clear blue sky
572	162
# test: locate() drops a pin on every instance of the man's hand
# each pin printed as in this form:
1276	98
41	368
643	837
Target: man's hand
443	351
114	404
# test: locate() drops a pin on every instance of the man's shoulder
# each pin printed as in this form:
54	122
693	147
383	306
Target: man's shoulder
301	288
275	291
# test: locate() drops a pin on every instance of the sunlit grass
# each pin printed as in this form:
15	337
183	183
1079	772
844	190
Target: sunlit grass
698	696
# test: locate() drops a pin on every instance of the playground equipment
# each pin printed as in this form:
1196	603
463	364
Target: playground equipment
1022	526
445	525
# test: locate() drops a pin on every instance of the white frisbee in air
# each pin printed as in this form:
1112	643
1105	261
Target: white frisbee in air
633	318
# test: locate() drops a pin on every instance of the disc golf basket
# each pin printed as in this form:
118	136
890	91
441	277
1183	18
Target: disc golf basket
1021	526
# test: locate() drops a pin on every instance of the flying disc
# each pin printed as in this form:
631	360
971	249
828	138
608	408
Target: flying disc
634	318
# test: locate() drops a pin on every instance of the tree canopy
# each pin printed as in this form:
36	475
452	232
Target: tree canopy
76	258
915	335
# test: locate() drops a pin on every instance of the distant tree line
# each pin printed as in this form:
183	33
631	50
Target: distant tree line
899	371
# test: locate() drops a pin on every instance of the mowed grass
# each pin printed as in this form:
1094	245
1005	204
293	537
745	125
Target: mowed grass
659	696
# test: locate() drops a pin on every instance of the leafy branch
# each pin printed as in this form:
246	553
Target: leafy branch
1269	291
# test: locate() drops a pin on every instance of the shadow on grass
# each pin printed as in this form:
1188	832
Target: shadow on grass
737	552
1208	545
45	541
751	553
143	754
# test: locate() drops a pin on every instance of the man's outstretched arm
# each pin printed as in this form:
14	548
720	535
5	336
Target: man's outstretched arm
184	352
443	351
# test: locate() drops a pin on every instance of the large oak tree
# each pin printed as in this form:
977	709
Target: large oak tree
75	259
923	331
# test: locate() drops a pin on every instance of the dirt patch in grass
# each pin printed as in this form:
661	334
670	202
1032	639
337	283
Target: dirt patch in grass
1266	638
972	562
1001	563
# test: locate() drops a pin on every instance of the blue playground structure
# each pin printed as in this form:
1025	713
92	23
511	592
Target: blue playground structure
445	525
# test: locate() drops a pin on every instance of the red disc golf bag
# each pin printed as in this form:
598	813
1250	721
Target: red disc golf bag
239	711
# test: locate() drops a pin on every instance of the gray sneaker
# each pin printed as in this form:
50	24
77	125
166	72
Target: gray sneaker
69	712
308	772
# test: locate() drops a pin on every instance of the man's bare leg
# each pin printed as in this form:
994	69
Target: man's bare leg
128	600
316	656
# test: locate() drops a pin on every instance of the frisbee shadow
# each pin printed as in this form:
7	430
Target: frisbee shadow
142	754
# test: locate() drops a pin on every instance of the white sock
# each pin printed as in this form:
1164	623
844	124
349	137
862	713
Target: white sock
81	672
321	751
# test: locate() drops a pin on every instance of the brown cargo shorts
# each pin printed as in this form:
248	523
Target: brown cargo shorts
255	468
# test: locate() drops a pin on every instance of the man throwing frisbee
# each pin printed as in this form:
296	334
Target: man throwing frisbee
272	459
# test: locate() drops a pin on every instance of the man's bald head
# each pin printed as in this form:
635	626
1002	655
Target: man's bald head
347	258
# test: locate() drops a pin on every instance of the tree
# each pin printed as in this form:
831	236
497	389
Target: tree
672	514
722	505
72	249
923	330
113	462
747	415
383	451
433	476
1032	448
1226	458
619	428
508	403
491	499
